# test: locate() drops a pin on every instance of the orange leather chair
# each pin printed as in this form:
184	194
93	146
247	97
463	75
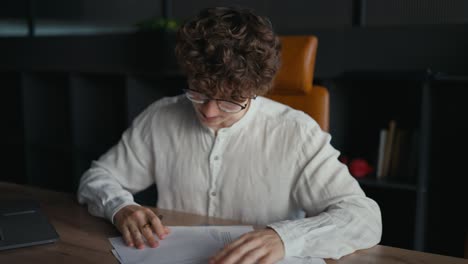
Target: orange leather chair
293	84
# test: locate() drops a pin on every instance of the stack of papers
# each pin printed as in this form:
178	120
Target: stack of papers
189	245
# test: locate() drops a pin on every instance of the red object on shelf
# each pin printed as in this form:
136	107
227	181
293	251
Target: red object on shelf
344	159
360	168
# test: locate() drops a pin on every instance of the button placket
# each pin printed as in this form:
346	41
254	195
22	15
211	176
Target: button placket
214	160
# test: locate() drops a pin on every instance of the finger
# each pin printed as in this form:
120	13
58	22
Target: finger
136	236
231	246
269	258
240	252
253	256
232	253
127	236
158	227
140	220
147	233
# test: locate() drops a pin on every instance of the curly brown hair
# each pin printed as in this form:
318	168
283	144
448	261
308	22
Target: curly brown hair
228	52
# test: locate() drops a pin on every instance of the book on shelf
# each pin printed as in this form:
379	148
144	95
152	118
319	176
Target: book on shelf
400	155
387	149
396	157
381	152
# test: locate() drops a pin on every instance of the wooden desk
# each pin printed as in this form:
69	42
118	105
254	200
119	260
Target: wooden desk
84	238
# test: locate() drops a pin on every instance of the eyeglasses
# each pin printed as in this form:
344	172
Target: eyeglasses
223	105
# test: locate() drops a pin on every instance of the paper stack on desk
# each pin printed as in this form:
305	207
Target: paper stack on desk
189	245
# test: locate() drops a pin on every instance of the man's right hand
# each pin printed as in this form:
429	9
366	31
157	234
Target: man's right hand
137	223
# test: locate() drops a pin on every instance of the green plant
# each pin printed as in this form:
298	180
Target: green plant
158	24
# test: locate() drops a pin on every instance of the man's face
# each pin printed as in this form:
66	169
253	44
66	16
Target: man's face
211	116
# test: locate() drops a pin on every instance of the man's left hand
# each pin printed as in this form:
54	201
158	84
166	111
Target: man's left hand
260	246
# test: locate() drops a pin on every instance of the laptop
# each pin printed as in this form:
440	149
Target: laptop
23	224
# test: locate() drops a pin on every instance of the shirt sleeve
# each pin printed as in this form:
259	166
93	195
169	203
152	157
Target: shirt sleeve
125	169
340	219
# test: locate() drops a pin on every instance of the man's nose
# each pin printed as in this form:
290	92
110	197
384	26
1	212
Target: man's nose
210	109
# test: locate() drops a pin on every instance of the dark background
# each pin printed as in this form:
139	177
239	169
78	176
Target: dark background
73	74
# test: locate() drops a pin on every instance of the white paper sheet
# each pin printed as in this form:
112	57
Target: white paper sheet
189	245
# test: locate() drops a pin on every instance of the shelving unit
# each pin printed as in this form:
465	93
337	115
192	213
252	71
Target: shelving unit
47	130
98	112
12	143
446	213
373	183
58	122
368	101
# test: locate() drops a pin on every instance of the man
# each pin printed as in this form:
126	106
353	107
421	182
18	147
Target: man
223	150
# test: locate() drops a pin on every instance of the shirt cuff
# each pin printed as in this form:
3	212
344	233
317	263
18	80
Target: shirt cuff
296	233
292	245
115	205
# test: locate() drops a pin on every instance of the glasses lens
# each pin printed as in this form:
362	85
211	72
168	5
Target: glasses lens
196	97
229	107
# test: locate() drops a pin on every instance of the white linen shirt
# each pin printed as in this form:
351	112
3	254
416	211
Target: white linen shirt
272	167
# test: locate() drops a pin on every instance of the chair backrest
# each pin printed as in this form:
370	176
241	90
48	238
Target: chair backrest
293	84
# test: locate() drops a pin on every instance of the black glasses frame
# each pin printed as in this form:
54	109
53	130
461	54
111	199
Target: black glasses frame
217	100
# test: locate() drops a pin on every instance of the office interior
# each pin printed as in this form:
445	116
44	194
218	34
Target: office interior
74	74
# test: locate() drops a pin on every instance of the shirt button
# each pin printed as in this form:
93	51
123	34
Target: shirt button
216	158
213	193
